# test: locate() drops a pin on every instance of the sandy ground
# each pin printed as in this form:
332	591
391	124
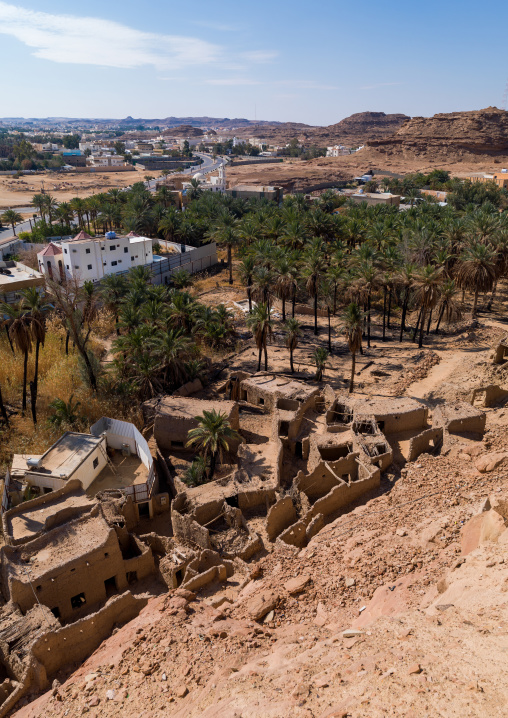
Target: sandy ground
19	192
297	174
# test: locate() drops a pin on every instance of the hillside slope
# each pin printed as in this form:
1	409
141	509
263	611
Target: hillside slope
449	135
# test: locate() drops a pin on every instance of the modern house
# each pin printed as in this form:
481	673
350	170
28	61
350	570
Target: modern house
113	456
14	277
212	183
92	258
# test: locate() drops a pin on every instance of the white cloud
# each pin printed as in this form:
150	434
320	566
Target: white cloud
94	41
260	56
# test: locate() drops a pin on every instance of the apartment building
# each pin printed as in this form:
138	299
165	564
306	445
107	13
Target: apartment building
92	258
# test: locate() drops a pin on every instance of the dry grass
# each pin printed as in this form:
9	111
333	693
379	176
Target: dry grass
59	377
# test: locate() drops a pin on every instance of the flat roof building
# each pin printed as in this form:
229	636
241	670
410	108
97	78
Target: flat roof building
15	277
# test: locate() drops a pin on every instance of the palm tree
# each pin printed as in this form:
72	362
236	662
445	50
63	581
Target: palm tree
51	206
368	279
327	300
260	324
172	348
169	224
320	355
312	270
20	332
212	437
144	371
195	190
447	305
246	269
353	321
66	413
405	278
39	202
427	283
263	282
476	271
12	217
285	281
34	302
293	333
113	289
228	235
181	278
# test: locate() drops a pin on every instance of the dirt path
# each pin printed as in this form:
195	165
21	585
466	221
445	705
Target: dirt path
450	364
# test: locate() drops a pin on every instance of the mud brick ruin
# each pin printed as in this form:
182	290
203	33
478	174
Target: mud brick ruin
97	522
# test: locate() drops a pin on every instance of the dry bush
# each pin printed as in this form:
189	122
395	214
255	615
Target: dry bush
59	377
29	257
103	324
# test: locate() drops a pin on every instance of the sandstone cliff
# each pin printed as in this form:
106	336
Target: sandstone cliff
453	134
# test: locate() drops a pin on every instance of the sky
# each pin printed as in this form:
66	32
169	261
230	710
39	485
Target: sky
311	62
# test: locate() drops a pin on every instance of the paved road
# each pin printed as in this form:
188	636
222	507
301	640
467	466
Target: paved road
208	166
6	233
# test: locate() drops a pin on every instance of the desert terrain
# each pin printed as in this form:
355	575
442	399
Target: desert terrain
63	187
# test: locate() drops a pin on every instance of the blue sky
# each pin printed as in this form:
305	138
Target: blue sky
313	62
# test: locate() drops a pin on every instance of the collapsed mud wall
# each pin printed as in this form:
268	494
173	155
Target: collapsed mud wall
281	515
429	439
78	640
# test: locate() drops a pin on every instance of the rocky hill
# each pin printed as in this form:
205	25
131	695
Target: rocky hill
363	127
454	134
353	130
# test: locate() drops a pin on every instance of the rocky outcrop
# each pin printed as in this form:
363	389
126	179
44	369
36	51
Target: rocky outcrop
363	127
480	132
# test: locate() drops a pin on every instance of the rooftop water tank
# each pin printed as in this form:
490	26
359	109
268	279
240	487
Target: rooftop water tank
110	235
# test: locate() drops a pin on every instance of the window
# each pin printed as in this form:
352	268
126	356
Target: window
78	601
76	266
132	259
125	250
96	462
112	248
89	266
114	263
103	248
87	251
74	250
65	251
67	266
55	611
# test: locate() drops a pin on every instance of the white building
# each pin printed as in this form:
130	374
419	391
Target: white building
106	161
114	455
337	151
212	184
92	258
92	146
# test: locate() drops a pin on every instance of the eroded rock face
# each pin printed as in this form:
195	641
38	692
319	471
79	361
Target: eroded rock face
460	133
